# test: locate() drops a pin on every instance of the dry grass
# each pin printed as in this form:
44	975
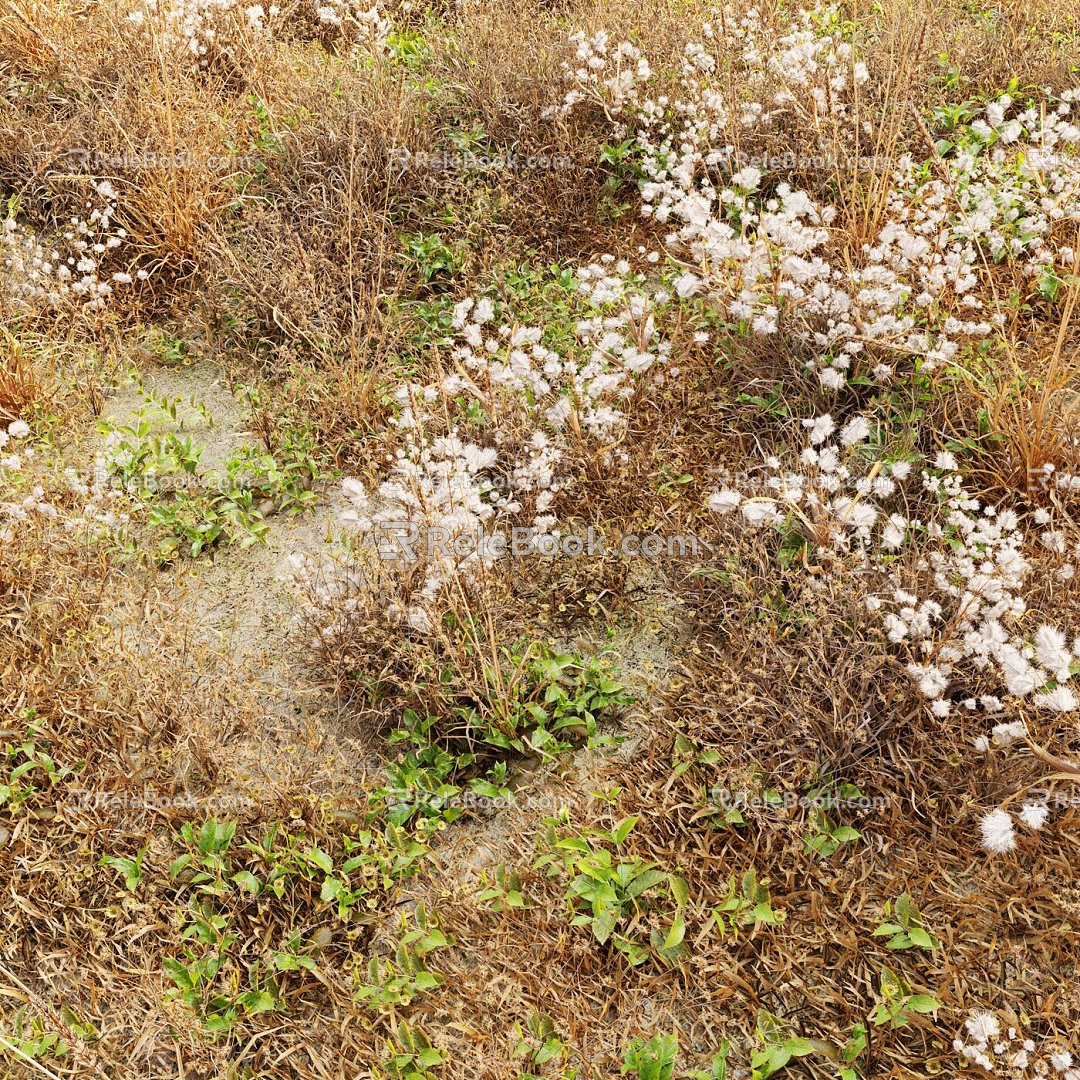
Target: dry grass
20	386
294	275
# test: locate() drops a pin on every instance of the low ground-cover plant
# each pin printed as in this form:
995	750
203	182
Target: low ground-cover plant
224	888
29	776
538	703
748	903
399	979
610	892
191	509
905	930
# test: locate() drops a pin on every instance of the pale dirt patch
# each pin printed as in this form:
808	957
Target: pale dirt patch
219	426
240	603
233	616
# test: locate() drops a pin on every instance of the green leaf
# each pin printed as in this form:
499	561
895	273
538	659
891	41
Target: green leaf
846	833
776	1059
764	915
320	859
574	843
248	881
885	929
921	938
179	864
647	879
219	1024
257	1001
289	962
904	909
603	924
922	1003
680	891
622	830
798	1047
130	868
178	973
676	933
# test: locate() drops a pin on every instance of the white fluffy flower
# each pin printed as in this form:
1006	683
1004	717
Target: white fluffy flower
856	430
820	429
1060	699
1051	651
1007	734
355	492
687	284
983	1027
997	836
760	512
1061	1060
747	178
724	501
